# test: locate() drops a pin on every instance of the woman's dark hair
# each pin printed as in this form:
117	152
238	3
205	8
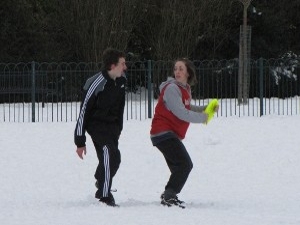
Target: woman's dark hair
111	56
192	79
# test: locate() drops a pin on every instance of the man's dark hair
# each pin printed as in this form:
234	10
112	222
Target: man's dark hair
111	56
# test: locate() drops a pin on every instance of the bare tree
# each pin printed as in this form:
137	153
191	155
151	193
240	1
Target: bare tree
216	20
173	27
100	24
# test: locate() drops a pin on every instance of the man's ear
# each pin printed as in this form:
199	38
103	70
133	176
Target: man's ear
112	66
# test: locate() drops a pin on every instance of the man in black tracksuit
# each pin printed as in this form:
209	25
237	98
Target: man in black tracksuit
101	115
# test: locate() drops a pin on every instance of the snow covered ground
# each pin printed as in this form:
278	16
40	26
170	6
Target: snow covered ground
246	171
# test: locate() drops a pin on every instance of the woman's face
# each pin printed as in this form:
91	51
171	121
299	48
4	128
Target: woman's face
180	72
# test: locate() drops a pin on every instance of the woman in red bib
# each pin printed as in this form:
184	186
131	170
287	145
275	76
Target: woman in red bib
173	114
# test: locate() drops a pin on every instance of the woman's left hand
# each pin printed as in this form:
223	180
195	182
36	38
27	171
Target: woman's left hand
217	108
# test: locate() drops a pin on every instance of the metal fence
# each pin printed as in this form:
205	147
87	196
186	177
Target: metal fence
51	92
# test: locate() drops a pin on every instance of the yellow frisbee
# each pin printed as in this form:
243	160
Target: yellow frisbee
210	109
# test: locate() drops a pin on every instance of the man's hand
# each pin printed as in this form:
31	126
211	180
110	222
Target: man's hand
80	151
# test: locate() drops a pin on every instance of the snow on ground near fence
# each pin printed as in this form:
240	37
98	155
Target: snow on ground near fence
246	171
137	108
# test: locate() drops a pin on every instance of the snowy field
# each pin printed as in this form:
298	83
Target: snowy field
246	171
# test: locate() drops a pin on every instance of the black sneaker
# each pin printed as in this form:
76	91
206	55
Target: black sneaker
162	196
173	201
109	200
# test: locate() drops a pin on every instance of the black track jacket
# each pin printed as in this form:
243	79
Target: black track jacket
102	107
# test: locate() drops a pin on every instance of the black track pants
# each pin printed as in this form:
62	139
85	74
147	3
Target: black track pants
179	162
109	161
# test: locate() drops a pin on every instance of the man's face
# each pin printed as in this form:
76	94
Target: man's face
118	69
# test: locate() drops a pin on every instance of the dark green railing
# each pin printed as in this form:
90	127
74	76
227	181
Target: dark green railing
36	92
